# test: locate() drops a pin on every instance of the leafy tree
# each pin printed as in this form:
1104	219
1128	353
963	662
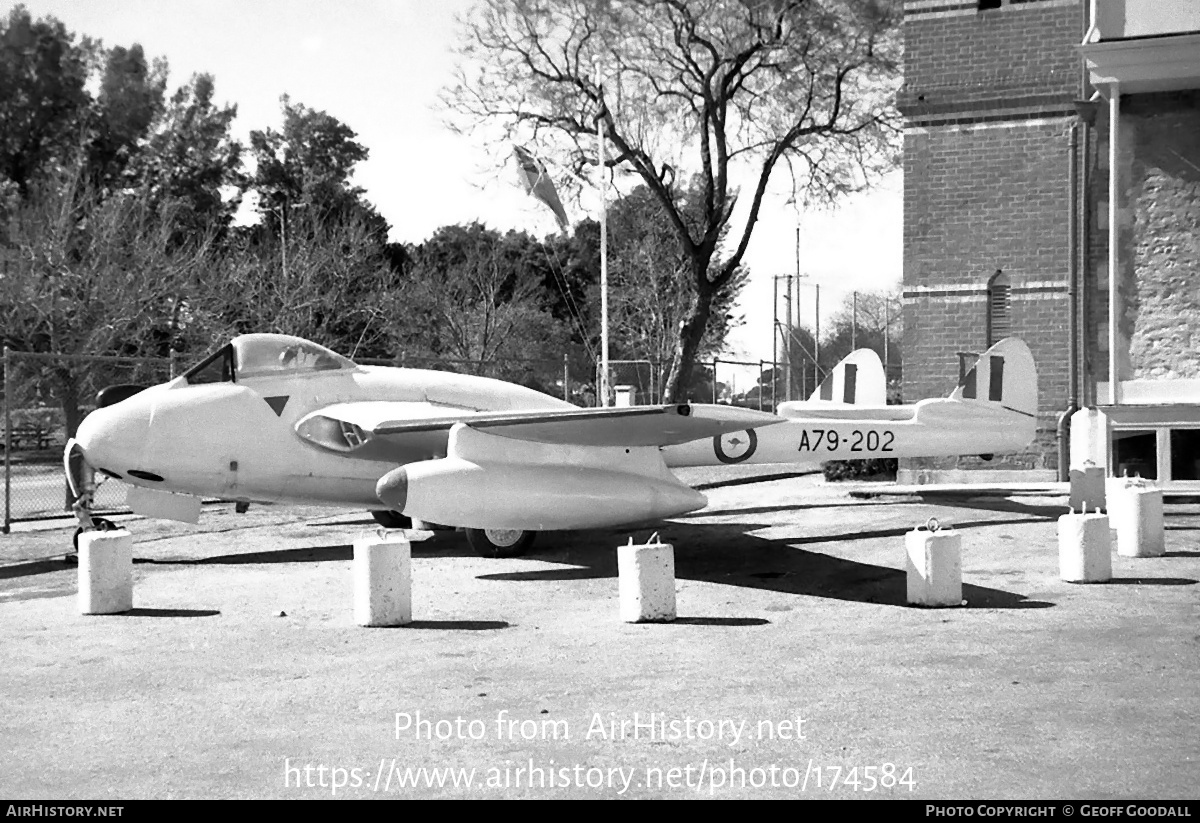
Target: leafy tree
651	288
468	295
130	99
43	99
330	291
862	323
191	159
88	273
723	88
310	161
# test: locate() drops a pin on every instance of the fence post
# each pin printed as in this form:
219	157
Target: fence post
7	441
566	378
774	377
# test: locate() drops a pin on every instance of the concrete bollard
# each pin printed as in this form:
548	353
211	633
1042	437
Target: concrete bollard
1090	432
934	566
105	572
647	581
1140	531
382	581
1087	487
1084	548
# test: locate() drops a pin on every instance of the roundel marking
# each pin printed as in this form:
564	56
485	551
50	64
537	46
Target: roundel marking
735	447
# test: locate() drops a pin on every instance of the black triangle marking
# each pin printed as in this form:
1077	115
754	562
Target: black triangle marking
277	403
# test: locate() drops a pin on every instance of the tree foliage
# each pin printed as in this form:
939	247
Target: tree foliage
469	295
43	102
726	89
190	159
331	290
650	283
89	273
309	162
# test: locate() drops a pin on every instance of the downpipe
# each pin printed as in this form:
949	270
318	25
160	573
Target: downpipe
1074	201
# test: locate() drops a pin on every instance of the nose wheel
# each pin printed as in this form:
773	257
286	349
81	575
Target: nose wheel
500	542
99	524
82	480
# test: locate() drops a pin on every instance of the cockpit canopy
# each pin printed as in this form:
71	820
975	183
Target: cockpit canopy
265	355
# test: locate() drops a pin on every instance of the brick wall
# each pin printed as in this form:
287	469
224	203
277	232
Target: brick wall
1017	56
987	103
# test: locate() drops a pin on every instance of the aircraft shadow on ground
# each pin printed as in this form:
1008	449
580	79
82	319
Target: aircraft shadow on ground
454	625
33	567
140	612
308	554
745	481
728	554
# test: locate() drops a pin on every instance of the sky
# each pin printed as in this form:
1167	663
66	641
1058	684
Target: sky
379	67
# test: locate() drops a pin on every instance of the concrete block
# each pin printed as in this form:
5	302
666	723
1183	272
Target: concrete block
1089	439
383	581
647	582
1084	548
1140	530
1088	488
105	572
934	564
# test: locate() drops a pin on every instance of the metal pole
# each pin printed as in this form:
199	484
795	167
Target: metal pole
854	321
566	378
7	440
603	243
817	338
1114	123
887	329
774	371
787	352
774	343
283	240
714	381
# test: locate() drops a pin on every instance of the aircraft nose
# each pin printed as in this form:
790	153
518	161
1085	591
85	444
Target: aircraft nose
110	439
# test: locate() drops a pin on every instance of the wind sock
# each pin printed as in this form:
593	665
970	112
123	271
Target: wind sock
536	180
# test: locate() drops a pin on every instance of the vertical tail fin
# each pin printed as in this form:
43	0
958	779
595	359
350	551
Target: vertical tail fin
1004	374
858	380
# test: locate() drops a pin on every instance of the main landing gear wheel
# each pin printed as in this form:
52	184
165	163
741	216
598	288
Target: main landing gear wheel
392	520
500	542
100	525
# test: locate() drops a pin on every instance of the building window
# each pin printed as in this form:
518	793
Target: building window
999	308
1135	454
1185	454
984	5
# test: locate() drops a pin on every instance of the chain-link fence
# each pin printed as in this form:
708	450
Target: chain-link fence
550	376
45	397
732	382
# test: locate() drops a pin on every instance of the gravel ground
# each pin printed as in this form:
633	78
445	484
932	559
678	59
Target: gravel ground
795	669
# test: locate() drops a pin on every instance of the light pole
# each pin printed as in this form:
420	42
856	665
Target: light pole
282	212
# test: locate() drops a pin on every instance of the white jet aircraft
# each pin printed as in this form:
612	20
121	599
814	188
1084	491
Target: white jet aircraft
274	418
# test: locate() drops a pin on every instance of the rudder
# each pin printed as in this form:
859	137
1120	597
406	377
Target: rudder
1005	374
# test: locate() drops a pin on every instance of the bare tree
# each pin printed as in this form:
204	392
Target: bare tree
318	277
726	89
468	295
92	274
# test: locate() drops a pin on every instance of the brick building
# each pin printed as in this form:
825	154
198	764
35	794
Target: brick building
1008	108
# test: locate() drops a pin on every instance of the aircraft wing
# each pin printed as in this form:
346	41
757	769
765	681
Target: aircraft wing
369	426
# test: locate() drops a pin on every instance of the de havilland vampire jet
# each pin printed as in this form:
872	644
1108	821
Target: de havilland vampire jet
274	418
